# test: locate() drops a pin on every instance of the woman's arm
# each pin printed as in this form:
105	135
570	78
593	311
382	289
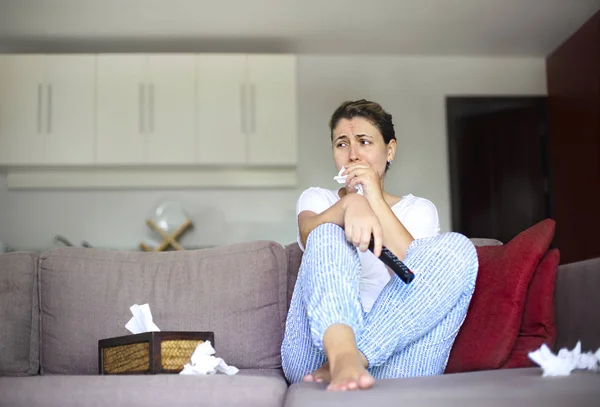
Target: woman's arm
395	236
308	220
420	221
359	223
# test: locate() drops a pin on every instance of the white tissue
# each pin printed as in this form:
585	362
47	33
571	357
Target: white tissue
142	320
342	180
565	361
202	362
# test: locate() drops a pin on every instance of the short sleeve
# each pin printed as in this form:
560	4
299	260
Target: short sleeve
312	199
422	219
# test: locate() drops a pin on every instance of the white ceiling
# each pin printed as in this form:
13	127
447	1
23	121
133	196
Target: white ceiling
432	27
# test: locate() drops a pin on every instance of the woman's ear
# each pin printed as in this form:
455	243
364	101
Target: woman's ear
391	147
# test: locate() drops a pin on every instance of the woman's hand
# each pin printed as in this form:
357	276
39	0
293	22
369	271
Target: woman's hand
360	222
362	173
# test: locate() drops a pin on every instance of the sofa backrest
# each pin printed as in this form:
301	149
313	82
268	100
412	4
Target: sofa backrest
19	315
577	304
241	292
236	291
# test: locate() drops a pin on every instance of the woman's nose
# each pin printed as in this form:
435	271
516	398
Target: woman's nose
353	153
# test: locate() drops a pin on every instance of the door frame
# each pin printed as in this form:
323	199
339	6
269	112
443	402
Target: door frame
458	106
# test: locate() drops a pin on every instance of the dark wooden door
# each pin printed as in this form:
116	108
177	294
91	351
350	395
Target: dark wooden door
573	72
500	180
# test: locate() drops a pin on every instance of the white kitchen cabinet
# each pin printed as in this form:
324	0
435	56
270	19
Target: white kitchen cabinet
171	96
120	109
21	131
221	111
46	109
70	126
146	109
272	134
225	117
246	109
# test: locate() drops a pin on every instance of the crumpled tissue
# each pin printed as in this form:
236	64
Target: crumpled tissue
203	362
141	320
565	361
342	180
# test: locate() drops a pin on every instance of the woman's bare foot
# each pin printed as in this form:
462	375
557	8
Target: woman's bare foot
347	365
320	375
348	373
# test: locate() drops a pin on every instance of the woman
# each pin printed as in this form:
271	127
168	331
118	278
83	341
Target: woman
351	319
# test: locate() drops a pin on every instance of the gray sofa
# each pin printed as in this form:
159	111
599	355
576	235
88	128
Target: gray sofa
56	306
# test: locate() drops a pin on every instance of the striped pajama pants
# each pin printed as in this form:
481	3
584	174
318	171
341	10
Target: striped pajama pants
410	329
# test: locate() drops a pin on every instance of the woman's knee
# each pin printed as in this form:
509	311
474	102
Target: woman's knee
450	253
461	255
457	242
326	232
329	236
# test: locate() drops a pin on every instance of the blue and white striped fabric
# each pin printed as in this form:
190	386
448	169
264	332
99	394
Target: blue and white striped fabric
410	329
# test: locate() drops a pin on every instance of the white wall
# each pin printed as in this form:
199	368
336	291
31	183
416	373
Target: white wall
412	89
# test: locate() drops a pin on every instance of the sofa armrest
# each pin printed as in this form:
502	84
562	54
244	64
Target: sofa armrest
577	300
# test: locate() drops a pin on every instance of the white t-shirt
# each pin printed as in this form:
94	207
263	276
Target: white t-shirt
418	215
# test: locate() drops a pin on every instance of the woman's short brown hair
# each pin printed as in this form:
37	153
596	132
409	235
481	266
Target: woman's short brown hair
371	111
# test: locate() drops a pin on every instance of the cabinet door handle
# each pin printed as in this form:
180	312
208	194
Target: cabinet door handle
49	110
243	107
151	108
253	108
39	108
141	108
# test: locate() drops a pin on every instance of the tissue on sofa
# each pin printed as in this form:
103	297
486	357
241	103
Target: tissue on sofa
565	361
203	362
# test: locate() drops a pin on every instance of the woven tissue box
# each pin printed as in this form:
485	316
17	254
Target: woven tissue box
149	352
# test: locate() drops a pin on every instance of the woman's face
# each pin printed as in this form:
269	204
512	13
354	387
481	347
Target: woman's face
359	140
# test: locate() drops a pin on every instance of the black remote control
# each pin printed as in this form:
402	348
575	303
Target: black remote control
394	263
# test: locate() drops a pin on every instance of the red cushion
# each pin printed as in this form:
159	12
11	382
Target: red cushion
539	321
492	324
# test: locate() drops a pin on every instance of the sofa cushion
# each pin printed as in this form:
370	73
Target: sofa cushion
252	390
490	329
236	291
478	241
496	388
538	326
578	305
19	314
